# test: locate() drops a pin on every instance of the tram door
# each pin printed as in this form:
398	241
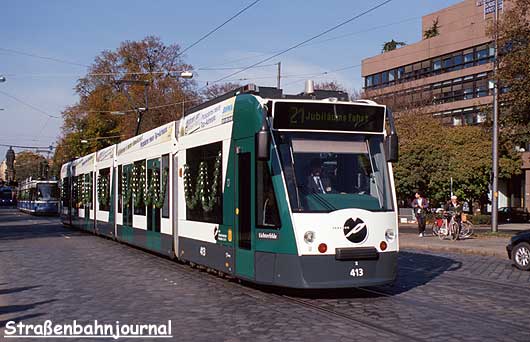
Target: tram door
244	212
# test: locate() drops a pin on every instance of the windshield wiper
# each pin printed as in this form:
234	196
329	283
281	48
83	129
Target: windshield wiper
322	200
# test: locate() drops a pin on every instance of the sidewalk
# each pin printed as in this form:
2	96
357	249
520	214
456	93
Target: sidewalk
480	245
492	246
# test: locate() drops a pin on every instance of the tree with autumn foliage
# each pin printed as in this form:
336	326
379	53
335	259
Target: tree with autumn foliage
105	113
329	85
215	90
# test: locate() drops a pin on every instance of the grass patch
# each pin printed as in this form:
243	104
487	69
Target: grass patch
492	234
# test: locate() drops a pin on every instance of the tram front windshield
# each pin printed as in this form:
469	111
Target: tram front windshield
326	172
6	194
47	192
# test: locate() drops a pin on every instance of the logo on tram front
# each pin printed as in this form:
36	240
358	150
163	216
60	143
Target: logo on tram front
355	230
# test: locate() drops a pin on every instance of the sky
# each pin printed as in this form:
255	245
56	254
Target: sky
70	34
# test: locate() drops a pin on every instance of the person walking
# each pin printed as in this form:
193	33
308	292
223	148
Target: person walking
420	205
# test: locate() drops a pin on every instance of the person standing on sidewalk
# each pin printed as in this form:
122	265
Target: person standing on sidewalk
420	206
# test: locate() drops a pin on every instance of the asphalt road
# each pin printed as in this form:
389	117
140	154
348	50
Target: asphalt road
51	272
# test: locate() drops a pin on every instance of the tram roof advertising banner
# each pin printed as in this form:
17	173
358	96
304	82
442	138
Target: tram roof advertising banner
329	117
153	137
212	116
105	153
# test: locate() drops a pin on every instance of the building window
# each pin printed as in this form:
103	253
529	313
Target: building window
376	79
408	72
482	88
400	72
458	92
369	81
437	65
447	63
468	90
391	76
457	61
384	77
482	56
468	60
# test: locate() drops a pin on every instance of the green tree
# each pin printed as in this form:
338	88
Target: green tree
431	153
392	45
28	164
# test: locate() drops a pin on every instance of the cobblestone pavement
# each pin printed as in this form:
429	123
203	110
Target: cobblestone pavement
51	272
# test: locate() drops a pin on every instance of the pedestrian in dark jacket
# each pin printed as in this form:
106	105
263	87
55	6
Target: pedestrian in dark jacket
420	205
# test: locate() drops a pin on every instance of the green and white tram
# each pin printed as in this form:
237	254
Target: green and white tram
287	190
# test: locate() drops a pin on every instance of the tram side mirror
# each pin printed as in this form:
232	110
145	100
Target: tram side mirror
263	141
392	149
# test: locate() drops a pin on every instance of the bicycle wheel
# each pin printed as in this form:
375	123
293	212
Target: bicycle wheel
435	229
467	230
454	231
443	232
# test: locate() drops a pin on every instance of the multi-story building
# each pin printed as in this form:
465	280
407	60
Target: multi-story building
448	75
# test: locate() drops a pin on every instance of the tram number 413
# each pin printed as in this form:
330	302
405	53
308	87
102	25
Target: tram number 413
357	272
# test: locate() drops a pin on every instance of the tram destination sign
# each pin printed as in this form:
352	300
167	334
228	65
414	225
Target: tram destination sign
329	116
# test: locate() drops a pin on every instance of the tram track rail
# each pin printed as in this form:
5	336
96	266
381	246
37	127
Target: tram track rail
445	310
318	305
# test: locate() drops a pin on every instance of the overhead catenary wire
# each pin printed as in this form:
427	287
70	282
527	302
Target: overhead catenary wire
53	59
371	9
218	27
29	105
31	147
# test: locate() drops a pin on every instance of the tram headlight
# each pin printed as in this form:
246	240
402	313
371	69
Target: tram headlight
309	237
390	235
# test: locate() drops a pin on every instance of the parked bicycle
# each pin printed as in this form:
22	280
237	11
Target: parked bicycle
450	228
466	228
446	223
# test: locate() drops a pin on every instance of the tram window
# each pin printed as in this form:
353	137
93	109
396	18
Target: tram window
120	182
139	202
267	215
47	191
103	189
165	170
211	210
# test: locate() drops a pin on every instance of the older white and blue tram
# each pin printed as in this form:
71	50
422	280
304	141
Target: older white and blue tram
287	190
38	197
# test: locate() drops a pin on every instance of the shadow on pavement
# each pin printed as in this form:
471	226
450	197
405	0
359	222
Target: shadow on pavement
411	274
19	308
19	318
32	231
17	289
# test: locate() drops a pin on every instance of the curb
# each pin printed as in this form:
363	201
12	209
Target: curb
457	249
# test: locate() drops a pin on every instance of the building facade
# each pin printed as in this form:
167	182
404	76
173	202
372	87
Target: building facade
449	75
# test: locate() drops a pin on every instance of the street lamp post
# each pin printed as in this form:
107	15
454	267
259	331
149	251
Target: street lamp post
495	140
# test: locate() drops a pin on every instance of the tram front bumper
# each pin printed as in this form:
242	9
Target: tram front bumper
324	271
